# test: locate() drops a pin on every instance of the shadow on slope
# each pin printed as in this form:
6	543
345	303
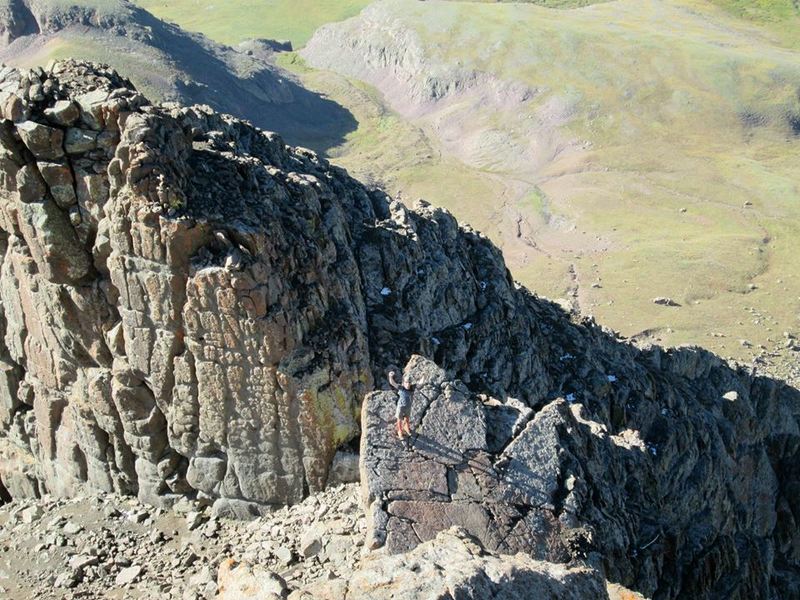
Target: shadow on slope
173	65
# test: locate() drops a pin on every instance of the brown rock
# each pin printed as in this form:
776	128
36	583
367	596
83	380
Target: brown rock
240	581
453	565
30	185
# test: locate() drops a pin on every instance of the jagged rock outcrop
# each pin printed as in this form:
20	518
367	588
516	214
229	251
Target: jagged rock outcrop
189	307
674	470
177	293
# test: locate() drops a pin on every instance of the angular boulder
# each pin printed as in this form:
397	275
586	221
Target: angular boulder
454	565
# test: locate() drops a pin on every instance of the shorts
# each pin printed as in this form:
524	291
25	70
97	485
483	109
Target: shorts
403	410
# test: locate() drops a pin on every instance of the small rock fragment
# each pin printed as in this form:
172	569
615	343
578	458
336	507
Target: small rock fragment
128	575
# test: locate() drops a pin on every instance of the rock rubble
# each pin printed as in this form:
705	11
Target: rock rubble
113	546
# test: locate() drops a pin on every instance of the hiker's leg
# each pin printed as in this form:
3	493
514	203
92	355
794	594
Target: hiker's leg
399	428
407	425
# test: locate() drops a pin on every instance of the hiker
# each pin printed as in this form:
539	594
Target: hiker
403	412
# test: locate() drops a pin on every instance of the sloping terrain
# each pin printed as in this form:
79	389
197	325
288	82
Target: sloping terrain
113	547
233	22
170	64
617	153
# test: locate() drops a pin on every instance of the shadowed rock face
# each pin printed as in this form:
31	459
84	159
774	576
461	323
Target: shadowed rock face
189	307
674	471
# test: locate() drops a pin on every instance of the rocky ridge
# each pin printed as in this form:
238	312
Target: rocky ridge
671	470
192	309
171	64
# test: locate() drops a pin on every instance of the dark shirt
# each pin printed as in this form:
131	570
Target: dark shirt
404	394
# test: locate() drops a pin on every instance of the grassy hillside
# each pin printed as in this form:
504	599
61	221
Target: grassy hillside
675	174
762	10
781	17
232	21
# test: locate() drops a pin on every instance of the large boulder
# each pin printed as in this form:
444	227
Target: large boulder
666	493
453	565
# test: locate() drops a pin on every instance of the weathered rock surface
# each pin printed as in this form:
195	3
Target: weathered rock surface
204	319
647	463
193	323
454	566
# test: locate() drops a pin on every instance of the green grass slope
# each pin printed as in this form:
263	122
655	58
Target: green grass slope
675	174
232	21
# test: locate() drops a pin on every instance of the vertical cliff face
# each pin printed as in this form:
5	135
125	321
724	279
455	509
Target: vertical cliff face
191	307
177	289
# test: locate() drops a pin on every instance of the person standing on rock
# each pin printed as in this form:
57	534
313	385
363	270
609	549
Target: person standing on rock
405	392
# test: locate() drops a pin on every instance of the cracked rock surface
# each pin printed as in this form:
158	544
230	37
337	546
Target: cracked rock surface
679	487
454	565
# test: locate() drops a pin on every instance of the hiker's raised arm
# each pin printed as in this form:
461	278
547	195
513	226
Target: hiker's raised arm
393	381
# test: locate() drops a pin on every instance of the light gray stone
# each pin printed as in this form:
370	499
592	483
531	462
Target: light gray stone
128	575
43	141
63	112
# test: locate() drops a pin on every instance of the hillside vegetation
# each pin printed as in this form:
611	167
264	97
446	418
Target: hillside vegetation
231	22
655	154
